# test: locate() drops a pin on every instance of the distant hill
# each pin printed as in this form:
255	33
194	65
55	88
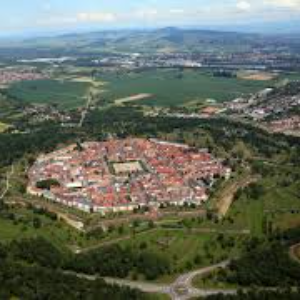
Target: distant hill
170	39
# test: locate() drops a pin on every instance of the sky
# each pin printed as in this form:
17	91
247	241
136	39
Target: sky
18	16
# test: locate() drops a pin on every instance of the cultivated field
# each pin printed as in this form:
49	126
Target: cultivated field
66	94
171	87
258	76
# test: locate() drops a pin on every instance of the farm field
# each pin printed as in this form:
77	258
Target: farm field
65	94
255	75
171	87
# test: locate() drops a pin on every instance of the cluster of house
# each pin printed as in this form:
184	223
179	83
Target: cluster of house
267	103
286	125
38	113
121	175
8	76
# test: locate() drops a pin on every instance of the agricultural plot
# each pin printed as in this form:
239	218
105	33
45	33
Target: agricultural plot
65	94
173	87
256	75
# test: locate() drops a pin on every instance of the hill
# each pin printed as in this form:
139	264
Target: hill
168	39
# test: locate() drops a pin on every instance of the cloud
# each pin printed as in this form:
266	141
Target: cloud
212	13
176	11
82	17
147	13
96	17
292	4
243	5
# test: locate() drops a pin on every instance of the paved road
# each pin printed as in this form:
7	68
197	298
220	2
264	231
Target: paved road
180	289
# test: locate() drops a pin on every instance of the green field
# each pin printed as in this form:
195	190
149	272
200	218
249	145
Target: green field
185	249
66	94
171	87
279	203
3	127
19	223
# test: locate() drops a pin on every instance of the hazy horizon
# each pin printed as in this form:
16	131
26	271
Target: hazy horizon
18	18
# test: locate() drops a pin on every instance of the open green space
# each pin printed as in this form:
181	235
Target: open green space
185	249
23	223
211	281
171	87
278	202
65	94
3	127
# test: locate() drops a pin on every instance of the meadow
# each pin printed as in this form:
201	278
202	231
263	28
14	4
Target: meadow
65	94
21	223
184	248
172	87
279	203
3	127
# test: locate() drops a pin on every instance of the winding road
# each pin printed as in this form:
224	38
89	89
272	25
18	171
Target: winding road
180	289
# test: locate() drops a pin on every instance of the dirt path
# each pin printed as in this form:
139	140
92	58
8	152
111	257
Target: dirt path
111	242
85	111
295	252
161	215
7	183
226	197
130	236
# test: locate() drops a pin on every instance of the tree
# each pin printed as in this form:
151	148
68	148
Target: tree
37	223
47	184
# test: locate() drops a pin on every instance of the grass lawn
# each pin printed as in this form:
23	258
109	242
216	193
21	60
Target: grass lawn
247	214
184	249
22	227
279	203
287	220
171	87
3	127
64	93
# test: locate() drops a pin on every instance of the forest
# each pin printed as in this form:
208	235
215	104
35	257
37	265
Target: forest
29	270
